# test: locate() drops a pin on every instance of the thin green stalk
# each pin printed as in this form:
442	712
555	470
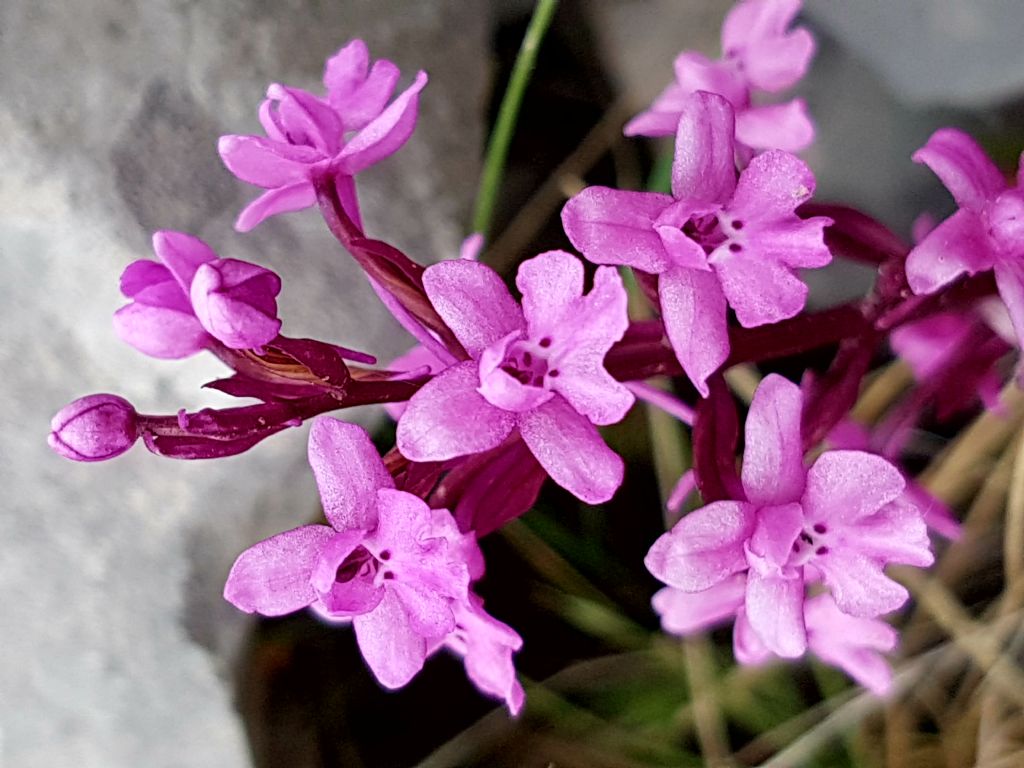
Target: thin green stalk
504	127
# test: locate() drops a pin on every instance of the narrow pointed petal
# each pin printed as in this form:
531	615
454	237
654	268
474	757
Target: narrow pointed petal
693	309
264	162
957	246
371	98
704	169
785	126
683	613
612	226
858	584
348	472
386	133
293	197
572	451
775	607
773	460
704	548
273	577
392	649
346	71
844	486
968	173
449	418
474	302
661	118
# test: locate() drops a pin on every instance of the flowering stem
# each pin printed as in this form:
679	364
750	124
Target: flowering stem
504	126
396	278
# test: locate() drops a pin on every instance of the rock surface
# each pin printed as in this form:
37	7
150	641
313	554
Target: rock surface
116	644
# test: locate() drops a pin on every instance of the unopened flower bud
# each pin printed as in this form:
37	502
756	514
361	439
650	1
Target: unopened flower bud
94	428
235	302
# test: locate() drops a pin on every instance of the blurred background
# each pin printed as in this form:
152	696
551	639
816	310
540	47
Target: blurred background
117	648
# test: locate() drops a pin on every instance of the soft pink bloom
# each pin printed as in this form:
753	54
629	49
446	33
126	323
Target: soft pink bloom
986	233
537	369
841	521
715	242
759	55
341	134
387	561
191	295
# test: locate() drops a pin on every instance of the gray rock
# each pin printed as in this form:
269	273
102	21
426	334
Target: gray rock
115	642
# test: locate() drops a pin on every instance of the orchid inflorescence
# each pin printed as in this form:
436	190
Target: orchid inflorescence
502	392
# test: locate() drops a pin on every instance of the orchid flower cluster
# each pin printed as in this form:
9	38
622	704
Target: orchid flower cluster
506	389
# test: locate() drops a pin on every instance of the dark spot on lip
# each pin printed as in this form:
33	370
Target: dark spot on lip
545	342
820	528
735	247
821	551
385	554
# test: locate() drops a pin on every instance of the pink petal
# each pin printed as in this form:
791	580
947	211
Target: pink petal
293	197
696	72
747	647
386	133
773	185
957	246
142	274
774	607
773	460
771	544
963	167
474	302
895	534
760	289
371	99
851	643
572	451
449	418
774	64
487	646
182	254
1010	281
844	486
693	309
346	71
684	613
422	555
581	330
754	20
306	119
937	516
235	301
611	226
661	118
273	577
159	332
264	162
785	126
704	548
348	472
392	649
858	583
704	169
351	596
